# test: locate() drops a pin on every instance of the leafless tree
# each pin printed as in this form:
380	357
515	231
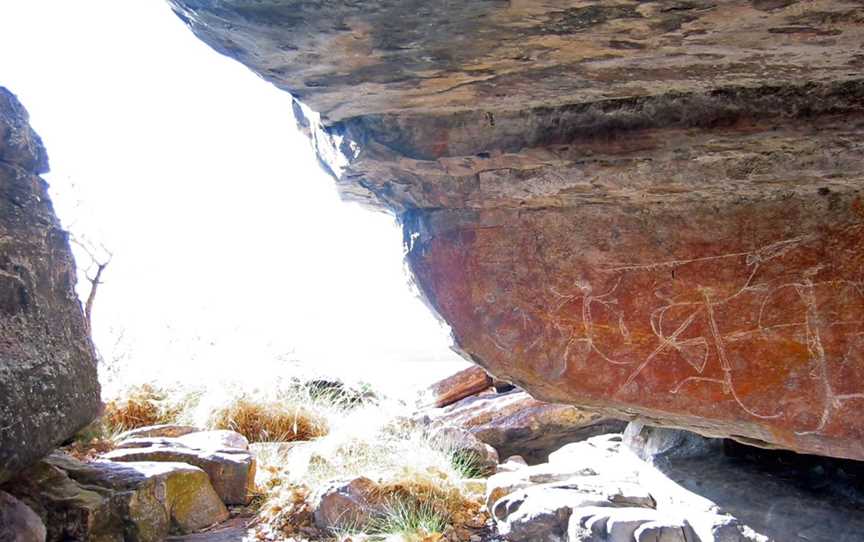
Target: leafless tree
99	257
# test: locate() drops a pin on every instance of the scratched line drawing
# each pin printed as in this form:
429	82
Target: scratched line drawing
771	300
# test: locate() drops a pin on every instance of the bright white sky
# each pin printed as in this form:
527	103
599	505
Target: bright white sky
231	248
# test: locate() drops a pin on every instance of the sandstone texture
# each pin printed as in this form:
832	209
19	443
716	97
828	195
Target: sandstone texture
653	209
460	385
117	502
48	385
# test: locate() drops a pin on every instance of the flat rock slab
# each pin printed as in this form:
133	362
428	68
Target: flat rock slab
223	455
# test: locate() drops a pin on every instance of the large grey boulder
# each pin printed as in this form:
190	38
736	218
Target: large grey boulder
48	384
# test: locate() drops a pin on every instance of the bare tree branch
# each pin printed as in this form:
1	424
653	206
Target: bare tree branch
93	273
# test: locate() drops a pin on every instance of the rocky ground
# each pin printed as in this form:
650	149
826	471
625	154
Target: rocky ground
530	472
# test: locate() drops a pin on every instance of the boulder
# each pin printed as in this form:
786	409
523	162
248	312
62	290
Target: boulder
223	455
48	385
460	385
652	209
18	522
115	502
516	424
346	504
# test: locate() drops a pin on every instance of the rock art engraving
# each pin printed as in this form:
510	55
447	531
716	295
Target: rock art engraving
751	324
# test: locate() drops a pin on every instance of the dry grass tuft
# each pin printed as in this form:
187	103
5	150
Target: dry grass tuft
270	421
147	404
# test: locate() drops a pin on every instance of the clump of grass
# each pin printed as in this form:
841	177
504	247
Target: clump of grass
270	420
409	518
467	464
147	404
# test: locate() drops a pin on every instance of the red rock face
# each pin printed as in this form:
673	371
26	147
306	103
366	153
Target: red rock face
745	322
650	208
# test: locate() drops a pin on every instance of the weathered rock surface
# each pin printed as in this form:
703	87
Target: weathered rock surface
48	386
598	491
651	208
116	502
18	522
516	424
458	386
223	455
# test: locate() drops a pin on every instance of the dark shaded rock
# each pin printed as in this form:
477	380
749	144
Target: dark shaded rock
48	385
657	444
18	523
653	209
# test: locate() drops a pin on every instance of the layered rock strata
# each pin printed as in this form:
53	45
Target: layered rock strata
48	386
653	209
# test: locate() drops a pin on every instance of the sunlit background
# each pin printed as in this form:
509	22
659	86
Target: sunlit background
232	252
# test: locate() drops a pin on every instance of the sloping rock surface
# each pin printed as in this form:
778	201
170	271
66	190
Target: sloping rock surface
650	208
514	423
48	385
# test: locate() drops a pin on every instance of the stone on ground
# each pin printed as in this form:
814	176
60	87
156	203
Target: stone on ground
460	385
18	522
223	455
106	502
346	504
514	423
